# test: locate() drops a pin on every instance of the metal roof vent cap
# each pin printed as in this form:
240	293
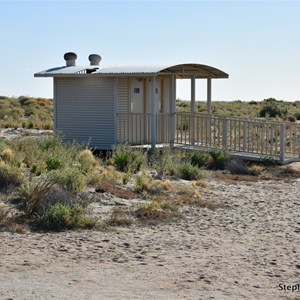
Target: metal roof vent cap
70	58
95	59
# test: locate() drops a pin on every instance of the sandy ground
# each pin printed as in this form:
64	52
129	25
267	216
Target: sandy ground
243	250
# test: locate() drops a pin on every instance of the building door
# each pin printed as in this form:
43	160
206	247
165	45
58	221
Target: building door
158	110
137	111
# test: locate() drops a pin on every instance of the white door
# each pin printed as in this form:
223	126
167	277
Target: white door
137	119
159	110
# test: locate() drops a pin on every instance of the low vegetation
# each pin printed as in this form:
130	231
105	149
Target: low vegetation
267	108
26	112
44	182
48	176
37	113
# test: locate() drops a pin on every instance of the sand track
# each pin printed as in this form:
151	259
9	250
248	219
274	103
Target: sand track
241	251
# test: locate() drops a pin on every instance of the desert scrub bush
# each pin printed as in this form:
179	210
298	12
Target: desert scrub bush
87	161
267	161
219	159
120	217
200	159
61	216
255	170
187	171
104	174
7	155
25	112
290	118
162	160
237	167
69	178
190	195
5	220
143	183
114	189
49	143
53	162
127	159
297	115
10	175
271	109
36	196
156	211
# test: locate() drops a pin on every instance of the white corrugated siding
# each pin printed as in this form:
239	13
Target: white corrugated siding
85	110
123	109
166	95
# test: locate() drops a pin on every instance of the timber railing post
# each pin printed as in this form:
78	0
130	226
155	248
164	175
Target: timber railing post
282	142
153	113
224	133
245	135
298	139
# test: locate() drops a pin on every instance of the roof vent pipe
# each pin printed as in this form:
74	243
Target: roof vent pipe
94	59
70	58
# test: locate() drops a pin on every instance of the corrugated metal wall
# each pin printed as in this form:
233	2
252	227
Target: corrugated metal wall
85	110
166	95
123	107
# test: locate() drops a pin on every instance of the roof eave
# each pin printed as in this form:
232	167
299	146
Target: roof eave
180	75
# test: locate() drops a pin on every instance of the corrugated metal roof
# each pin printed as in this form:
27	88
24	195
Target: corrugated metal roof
200	71
66	70
131	69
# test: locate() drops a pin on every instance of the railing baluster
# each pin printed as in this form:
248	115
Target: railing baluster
276	139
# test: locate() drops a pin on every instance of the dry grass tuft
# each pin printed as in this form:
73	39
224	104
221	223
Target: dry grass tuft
113	189
7	155
156	212
35	195
9	220
166	185
87	160
120	217
188	195
256	170
145	183
110	174
234	179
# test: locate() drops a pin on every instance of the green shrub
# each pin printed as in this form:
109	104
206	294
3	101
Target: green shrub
10	175
187	171
69	178
267	161
183	126
182	104
297	115
53	162
290	118
162	160
219	159
271	109
49	143
60	216
127	159
200	159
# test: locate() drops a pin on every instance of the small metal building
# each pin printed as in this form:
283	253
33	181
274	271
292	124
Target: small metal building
106	106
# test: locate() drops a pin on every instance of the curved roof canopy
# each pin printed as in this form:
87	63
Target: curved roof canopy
181	71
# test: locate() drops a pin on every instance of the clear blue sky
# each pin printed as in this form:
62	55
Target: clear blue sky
256	42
